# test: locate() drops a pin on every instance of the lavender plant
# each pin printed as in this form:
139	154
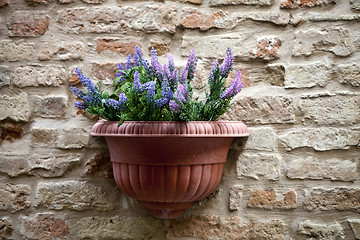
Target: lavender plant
150	91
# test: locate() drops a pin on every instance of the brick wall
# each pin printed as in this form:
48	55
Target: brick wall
296	176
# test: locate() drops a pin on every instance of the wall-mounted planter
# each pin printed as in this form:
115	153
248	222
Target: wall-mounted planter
168	165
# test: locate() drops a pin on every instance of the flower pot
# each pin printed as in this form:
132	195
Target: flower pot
168	165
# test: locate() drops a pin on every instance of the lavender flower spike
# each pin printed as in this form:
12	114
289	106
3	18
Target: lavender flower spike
174	106
227	65
118	105
137	82
128	63
191	65
234	88
214	66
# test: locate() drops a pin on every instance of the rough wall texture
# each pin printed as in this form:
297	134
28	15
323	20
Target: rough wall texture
296	176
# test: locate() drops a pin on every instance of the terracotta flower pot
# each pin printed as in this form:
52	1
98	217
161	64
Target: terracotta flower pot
168	165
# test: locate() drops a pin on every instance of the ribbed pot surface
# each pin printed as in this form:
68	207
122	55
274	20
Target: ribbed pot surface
167	172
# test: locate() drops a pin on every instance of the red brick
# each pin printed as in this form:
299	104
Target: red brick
192	18
305	3
100	165
10	132
103	71
267	49
4	3
161	47
116	45
267	200
22	24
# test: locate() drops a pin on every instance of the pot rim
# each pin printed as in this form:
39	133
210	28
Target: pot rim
170	129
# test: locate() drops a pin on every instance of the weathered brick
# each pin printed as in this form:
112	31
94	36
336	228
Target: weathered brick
266	199
4	3
73	138
16	108
259	166
62	51
26	24
235	198
267	49
330	17
100	165
333	39
339	198
150	19
118	227
215	227
275	74
50	106
342	108
216	3
6	229
14	198
44	226
355	5
10	132
320	139
35	75
282	19
16	50
103	71
348	74
4	76
355	226
75	195
260	138
262	109
204	20
313	168
161	46
305	3
39	164
306	75
319	231
123	47
44	137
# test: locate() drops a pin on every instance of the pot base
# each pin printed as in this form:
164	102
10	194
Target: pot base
166	210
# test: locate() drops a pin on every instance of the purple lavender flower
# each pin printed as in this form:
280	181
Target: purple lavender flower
171	62
120	74
150	87
191	65
227	65
128	63
234	88
182	94
214	66
153	52
137	56
174	106
118	105
86	82
137	82
183	77
80	105
156	66
166	93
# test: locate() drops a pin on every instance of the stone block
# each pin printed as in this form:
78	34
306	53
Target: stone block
100	165
342	108
204	20
348	74
4	76
235	199
44	226
305	3
44	137
39	164
267	49
28	24
281	19
16	108
217	3
320	139
118	227
336	40
355	226
260	139
6	229
315	230
262	110
267	199
70	138
216	227
16	50
116	45
355	5
148	18
50	106
39	75
10	132
4	3
275	74
259	166
74	195
339	198
14	198
62	51
313	168
103	71
306	75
